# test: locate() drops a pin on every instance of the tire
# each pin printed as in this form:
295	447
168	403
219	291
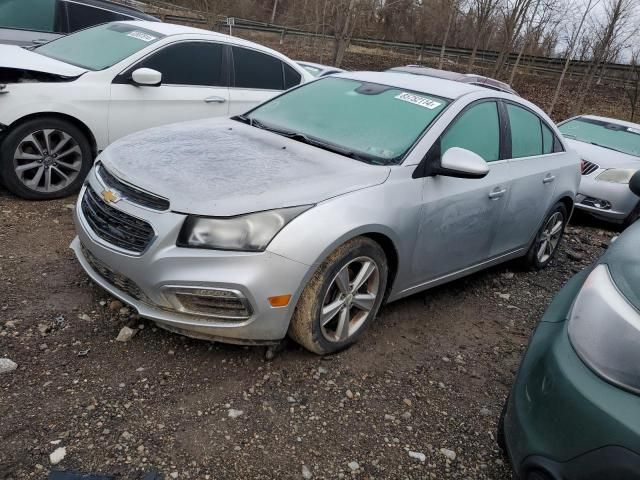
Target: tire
329	287
632	218
56	154
533	259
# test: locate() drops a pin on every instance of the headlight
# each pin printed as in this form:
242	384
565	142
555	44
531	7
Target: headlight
616	175
251	232
604	329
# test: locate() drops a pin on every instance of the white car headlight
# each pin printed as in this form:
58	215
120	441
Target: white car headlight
248	233
616	175
604	329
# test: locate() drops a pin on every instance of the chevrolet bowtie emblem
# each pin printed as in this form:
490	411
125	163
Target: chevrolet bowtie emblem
110	197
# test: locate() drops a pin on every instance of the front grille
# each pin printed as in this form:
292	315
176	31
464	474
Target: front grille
132	193
117	280
589	167
222	304
115	226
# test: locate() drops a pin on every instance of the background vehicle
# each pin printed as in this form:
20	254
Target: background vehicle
610	152
33	22
470	78
573	410
67	100
307	213
319	70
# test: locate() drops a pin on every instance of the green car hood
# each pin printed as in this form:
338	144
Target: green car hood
623	260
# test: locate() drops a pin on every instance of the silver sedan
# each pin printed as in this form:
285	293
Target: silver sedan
610	153
306	214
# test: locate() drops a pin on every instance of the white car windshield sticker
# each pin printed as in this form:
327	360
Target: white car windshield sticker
145	37
633	130
418	100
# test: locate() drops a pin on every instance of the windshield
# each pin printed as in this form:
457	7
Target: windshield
100	47
312	70
369	120
605	134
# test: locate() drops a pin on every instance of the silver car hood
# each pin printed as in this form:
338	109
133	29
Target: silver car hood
604	157
221	167
12	56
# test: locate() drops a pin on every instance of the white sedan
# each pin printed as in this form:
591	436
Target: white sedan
64	102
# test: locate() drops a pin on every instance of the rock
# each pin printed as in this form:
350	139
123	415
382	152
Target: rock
306	473
407	402
322	370
508	275
7	365
450	454
349	394
406	415
44	328
85	317
573	255
418	456
353	466
115	305
291	400
84	353
485	412
504	296
233	413
58	455
125	334
173	475
124	312
43	346
389	418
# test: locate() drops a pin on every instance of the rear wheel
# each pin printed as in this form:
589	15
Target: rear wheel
547	241
342	298
45	158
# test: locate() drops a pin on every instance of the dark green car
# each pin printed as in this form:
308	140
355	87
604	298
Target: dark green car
574	410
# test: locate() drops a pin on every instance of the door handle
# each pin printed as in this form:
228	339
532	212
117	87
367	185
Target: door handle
497	193
549	178
215	99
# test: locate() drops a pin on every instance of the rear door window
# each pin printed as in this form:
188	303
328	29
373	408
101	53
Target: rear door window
84	16
291	77
476	129
526	132
254	69
188	63
37	15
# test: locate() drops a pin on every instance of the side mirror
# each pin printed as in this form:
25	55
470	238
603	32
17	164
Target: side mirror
462	163
634	183
146	77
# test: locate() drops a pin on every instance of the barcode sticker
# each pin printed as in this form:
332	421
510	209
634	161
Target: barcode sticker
145	37
418	100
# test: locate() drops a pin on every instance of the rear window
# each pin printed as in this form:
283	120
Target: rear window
604	134
36	15
100	47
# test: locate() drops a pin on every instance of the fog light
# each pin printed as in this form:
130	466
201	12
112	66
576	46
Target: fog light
596	203
279	301
211	302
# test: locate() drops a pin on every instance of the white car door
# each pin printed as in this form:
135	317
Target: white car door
257	77
194	86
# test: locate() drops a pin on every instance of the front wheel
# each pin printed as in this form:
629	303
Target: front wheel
45	158
342	298
547	241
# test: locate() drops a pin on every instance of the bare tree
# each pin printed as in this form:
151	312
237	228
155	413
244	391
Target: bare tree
482	11
453	7
573	42
344	26
633	87
514	13
616	30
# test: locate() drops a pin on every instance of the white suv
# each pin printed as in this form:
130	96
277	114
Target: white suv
65	101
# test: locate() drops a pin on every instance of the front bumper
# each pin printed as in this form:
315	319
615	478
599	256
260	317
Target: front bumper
618	199
164	267
562	419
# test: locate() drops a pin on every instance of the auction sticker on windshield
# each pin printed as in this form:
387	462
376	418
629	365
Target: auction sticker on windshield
145	37
418	100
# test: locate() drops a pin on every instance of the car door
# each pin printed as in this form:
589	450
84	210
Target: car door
256	77
194	86
460	217
533	160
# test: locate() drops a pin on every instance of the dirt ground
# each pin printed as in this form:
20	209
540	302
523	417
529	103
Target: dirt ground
429	377
431	374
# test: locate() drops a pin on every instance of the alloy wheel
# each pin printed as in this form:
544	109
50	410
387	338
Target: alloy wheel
550	237
349	299
47	160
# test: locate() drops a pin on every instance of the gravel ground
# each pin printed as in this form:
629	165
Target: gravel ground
418	397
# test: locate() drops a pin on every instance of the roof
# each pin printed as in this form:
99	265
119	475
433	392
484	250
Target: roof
118	7
479	80
417	83
612	120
